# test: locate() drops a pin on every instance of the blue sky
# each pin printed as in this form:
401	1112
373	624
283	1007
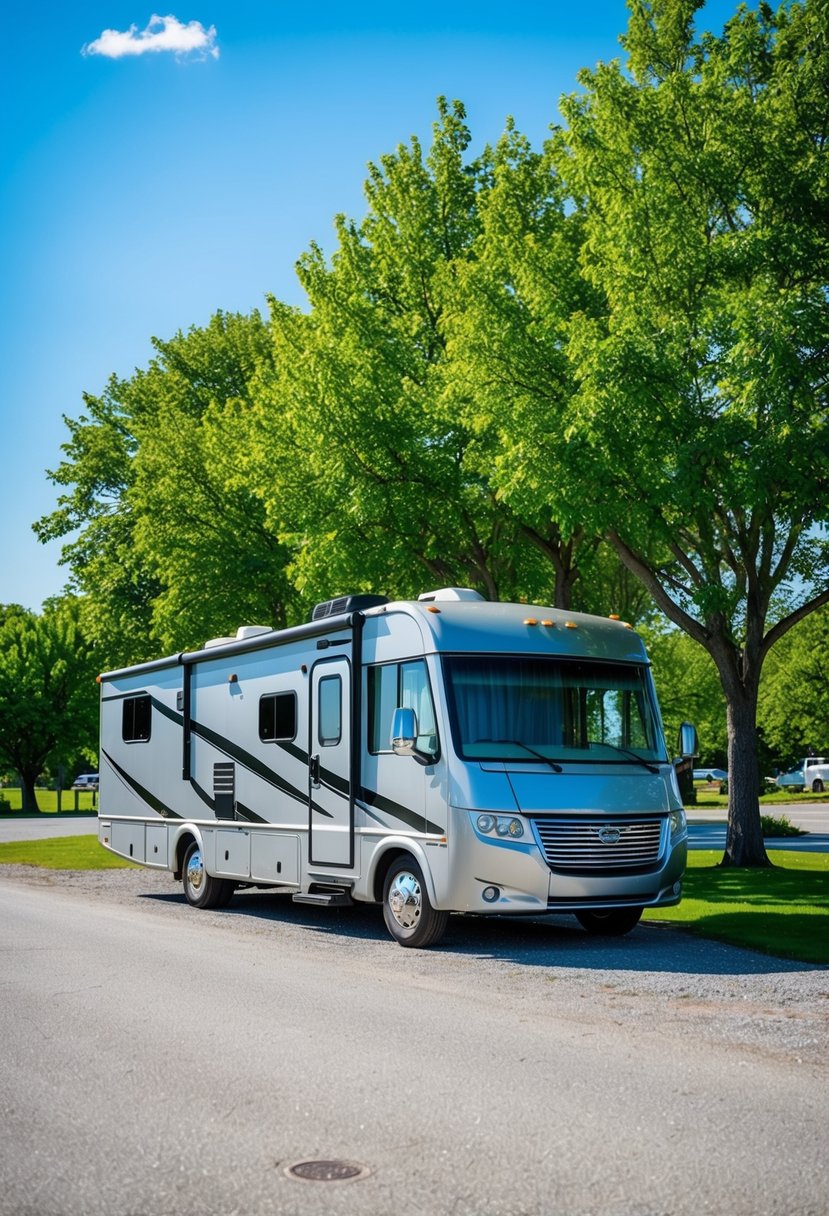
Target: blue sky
140	194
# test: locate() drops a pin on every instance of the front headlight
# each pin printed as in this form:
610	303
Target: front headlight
500	825
679	824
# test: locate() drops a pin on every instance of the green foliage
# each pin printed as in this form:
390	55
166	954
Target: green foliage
689	690
700	415
779	825
48	694
793	709
377	490
173	546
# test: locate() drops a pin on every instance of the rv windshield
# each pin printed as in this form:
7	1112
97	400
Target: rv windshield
509	707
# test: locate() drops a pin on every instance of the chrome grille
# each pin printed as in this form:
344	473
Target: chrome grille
592	846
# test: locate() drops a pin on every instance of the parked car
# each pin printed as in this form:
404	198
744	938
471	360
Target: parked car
710	774
86	781
812	773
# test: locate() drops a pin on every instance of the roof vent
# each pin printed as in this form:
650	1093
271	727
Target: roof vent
251	631
242	634
450	593
346	603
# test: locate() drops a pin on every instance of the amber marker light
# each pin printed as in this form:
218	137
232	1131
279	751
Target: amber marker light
432	608
549	624
614	616
570	625
530	620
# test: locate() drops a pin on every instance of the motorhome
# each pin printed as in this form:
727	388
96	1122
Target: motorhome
435	756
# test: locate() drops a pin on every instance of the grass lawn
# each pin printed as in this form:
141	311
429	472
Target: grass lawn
782	911
62	853
47	801
705	799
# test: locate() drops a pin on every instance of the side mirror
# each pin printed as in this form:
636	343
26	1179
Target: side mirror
404	732
688	742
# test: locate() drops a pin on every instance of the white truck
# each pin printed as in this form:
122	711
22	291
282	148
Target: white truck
811	773
434	756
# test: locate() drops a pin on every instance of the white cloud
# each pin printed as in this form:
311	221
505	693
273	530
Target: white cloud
161	34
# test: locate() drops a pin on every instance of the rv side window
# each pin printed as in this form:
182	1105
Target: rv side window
136	718
277	717
330	726
400	684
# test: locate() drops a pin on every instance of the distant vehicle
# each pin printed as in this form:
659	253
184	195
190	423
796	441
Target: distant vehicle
812	773
86	781
710	774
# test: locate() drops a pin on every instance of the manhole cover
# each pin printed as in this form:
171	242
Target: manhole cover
327	1171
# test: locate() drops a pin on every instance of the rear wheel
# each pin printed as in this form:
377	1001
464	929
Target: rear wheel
201	889
817	786
407	910
614	922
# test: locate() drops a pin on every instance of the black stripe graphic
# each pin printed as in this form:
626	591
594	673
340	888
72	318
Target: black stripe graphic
244	812
419	822
247	760
154	803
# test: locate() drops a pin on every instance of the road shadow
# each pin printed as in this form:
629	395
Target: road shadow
546	941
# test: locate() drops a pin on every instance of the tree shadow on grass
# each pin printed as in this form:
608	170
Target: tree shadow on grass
760	887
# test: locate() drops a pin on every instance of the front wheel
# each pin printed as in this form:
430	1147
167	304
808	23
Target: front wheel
611	923
201	889
407	910
817	786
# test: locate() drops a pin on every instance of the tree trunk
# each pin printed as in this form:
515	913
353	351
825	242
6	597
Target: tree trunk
744	845
27	790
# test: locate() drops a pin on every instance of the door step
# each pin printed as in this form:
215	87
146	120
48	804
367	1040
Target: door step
324	899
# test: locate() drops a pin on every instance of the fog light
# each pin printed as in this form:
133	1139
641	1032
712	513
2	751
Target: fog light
491	894
677	888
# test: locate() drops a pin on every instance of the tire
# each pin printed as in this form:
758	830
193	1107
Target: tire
614	922
201	889
817	786
407	910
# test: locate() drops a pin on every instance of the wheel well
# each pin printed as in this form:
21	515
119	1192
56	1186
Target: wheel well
182	845
383	866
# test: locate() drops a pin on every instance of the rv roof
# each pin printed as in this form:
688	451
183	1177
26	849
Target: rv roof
477	625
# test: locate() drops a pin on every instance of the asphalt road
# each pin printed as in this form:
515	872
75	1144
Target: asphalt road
158	1060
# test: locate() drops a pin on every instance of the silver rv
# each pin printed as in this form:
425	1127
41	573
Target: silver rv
434	756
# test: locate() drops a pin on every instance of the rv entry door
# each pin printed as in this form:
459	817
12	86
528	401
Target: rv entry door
331	802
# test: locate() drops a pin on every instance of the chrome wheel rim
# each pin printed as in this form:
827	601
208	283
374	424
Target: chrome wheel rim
195	872
405	899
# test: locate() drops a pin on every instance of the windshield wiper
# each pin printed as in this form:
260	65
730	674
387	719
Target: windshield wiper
538	755
626	751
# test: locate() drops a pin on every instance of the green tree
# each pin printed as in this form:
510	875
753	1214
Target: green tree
689	689
385	482
793	709
48	694
115	587
700	421
171	546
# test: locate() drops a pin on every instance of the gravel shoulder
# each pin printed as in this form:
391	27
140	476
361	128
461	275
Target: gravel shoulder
656	980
